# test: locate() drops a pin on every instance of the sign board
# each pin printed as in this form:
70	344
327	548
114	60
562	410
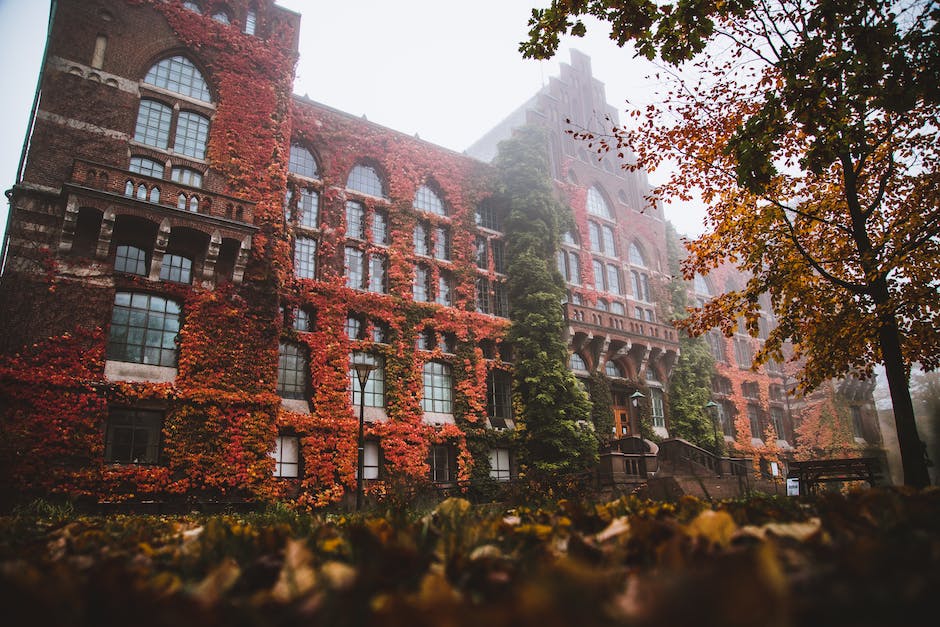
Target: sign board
793	486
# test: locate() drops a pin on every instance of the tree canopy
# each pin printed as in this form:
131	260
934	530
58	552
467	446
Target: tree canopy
809	127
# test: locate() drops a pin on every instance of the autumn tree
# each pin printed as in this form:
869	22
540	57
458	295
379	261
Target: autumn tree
556	413
809	129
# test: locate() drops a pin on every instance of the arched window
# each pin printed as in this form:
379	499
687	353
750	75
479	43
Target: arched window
438	388
365	179
155	117
375	385
302	162
577	362
613	369
221	17
192	6
637	258
147	167
179	75
597	204
291	371
144	329
427	200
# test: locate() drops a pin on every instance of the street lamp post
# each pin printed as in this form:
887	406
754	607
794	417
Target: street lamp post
635	401
363	370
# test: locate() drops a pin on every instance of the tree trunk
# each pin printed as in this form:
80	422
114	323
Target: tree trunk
912	448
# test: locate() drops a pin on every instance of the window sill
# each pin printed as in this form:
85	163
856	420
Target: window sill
437	418
141	373
296	405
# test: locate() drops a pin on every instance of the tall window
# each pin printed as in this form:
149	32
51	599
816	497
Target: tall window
375	386
365	179
499	398
370	460
445	289
291	371
286	456
499	464
421	290
355	220
438	388
441	243
656	405
487	217
569	266
301	162
857	428
422	239
155	116
355	270
500	299
133	436
743	352
776	416
428	201
597	204
484	302
308	206
251	22
443	463
144	329
378	269
753	417
305	258
379	227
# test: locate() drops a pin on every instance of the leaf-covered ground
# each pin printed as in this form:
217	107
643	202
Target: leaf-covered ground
868	558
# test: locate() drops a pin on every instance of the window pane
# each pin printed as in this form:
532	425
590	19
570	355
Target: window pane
133	436
379	227
309	207
153	124
438	388
301	162
427	200
143	331
291	371
355	273
130	259
305	258
178	74
187	176
286	456
145	166
355	220
597	204
364	179
377	272
192	131
420	289
177	269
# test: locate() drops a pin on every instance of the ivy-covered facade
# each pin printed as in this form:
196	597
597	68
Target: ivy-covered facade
196	260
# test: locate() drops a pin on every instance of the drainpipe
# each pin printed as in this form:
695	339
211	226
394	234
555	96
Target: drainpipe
29	132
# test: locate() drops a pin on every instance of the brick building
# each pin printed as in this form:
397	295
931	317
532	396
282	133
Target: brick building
196	260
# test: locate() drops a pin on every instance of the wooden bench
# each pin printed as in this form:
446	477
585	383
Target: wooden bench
812	473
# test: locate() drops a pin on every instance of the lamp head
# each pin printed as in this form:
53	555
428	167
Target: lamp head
362	371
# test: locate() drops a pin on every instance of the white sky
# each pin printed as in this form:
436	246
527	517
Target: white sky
417	66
